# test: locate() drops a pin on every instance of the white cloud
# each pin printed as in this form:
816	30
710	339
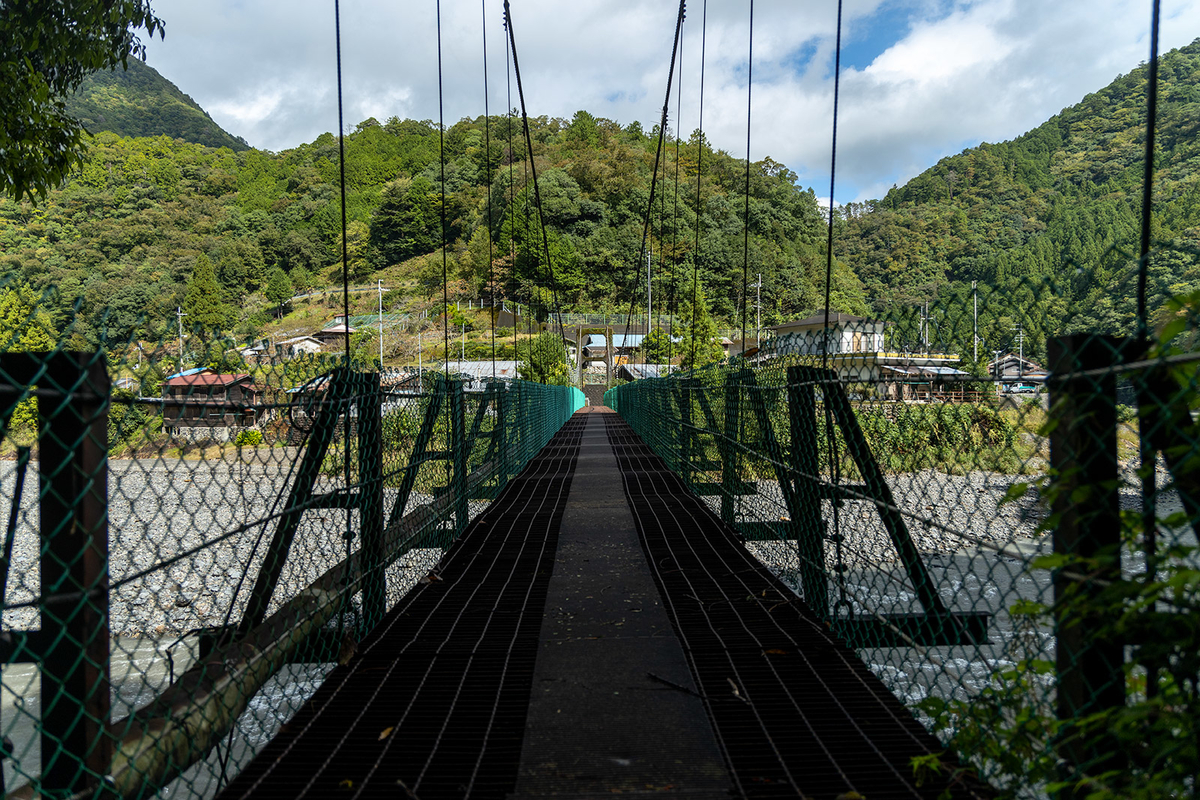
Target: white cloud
957	72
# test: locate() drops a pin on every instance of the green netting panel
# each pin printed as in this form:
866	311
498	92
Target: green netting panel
995	508
188	553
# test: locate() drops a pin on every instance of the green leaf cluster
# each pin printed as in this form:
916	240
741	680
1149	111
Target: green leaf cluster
48	50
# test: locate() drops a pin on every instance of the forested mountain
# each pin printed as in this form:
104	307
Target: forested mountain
145	216
138	101
1060	204
1048	221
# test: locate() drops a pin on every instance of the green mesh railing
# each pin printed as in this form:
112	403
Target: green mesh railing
188	554
1008	540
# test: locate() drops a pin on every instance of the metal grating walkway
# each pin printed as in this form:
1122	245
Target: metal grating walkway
448	670
554	659
795	711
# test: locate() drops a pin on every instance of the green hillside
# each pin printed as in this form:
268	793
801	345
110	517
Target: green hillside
1059	204
1046	223
141	102
127	232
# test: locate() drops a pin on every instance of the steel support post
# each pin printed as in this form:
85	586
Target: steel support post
370	496
1083	461
459	444
73	481
806	519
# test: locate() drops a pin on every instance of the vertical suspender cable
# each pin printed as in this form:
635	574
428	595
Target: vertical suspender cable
1147	455
1148	174
699	172
348	535
746	212
662	127
512	207
833	164
337	28
442	164
537	195
675	220
834	460
487	158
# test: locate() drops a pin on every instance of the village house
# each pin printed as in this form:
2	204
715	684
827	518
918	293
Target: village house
333	338
202	404
1016	374
856	347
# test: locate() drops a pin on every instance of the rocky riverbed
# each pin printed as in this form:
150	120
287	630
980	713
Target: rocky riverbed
186	540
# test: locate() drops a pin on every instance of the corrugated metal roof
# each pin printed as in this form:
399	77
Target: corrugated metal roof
481	370
206	379
186	372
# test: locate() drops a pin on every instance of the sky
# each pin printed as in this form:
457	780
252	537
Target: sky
919	79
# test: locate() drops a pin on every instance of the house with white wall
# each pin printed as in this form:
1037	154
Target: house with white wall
856	347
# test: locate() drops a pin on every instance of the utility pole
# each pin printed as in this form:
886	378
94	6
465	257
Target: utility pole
649	296
925	327
180	315
975	328
463	356
380	325
1020	351
418	351
758	312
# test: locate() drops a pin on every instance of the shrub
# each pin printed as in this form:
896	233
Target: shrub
248	438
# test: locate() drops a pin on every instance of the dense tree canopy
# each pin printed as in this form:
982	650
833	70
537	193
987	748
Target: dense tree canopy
1044	223
48	50
1054	213
129	226
544	360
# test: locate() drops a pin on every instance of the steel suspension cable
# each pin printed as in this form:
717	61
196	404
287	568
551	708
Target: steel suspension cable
830	434
746	212
337	28
675	219
533	169
1148	173
512	207
1146	452
662	127
442	164
487	159
348	535
699	172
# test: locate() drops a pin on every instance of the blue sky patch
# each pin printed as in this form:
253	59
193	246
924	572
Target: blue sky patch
871	36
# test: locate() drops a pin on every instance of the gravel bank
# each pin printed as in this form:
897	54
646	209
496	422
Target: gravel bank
946	514
159	511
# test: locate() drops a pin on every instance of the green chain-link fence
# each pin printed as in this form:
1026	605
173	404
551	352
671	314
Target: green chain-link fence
1006	536
188	553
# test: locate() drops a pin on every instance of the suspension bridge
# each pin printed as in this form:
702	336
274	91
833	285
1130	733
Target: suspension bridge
764	578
